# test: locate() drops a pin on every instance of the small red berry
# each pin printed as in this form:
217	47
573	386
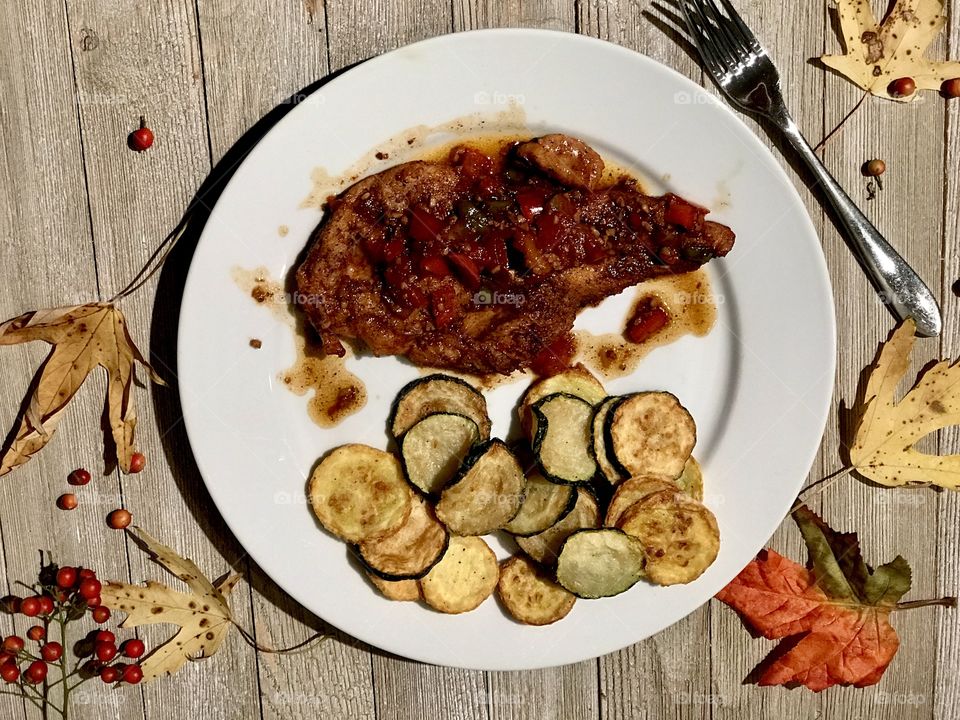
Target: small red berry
30	606
105	636
36	633
90	588
101	614
67	501
132	674
36	672
13	644
52	651
86	573
66	577
10	604
119	519
140	139
6	657
78	477
109	675
9	672
94	602
133	648
105	651
46	604
950	88
902	87
138	461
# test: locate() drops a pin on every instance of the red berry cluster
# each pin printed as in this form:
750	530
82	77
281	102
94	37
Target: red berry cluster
64	595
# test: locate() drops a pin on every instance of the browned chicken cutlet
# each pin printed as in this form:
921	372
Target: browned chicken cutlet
480	263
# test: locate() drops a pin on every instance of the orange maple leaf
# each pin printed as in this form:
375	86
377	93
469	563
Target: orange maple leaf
836	615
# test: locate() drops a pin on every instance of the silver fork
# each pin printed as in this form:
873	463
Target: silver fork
741	67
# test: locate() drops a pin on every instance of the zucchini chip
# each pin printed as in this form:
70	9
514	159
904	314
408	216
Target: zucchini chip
544	504
465	576
650	432
632	491
530	595
406	590
600	563
577	381
486	494
411	550
680	536
598	442
438	394
433	449
544	547
358	493
562	443
691	479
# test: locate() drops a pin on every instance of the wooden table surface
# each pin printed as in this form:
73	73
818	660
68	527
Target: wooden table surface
81	213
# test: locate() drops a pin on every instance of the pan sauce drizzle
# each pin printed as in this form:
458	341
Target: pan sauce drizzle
688	300
336	392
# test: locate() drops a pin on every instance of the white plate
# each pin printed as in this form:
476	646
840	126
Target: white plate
759	385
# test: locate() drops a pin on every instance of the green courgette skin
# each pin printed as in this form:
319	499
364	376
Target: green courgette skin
541	433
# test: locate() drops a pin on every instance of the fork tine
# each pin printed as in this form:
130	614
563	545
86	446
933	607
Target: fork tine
722	30
702	40
713	39
746	34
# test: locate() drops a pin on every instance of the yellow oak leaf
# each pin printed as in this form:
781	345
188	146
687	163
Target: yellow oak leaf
203	615
879	53
887	430
83	337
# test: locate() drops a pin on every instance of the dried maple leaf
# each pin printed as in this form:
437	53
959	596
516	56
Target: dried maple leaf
82	336
837	613
203	615
882	448
879	53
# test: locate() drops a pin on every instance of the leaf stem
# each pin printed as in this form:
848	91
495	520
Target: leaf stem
252	641
823	483
826	138
950	602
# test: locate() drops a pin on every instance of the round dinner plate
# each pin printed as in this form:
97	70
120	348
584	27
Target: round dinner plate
759	384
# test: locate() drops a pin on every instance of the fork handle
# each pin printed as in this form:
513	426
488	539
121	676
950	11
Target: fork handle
897	283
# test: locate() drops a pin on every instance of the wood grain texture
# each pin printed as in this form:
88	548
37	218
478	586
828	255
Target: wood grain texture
80	213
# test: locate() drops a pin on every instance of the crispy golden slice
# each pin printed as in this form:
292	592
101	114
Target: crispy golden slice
529	595
409	551
438	394
465	576
404	590
600	563
679	534
544	547
633	490
650	432
691	479
433	449
359	493
577	381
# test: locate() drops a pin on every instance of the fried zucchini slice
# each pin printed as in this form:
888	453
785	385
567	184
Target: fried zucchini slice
486	494
679	534
600	563
577	381
598	441
411	550
544	547
562	442
650	432
465	576
433	449
530	595
358	493
544	504
404	590
691	479
438	394
632	491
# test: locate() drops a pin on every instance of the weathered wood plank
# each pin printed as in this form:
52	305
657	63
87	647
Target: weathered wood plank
333	678
148	59
46	259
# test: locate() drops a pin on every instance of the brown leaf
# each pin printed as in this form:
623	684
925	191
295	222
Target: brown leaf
883	445
879	53
82	337
203	615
